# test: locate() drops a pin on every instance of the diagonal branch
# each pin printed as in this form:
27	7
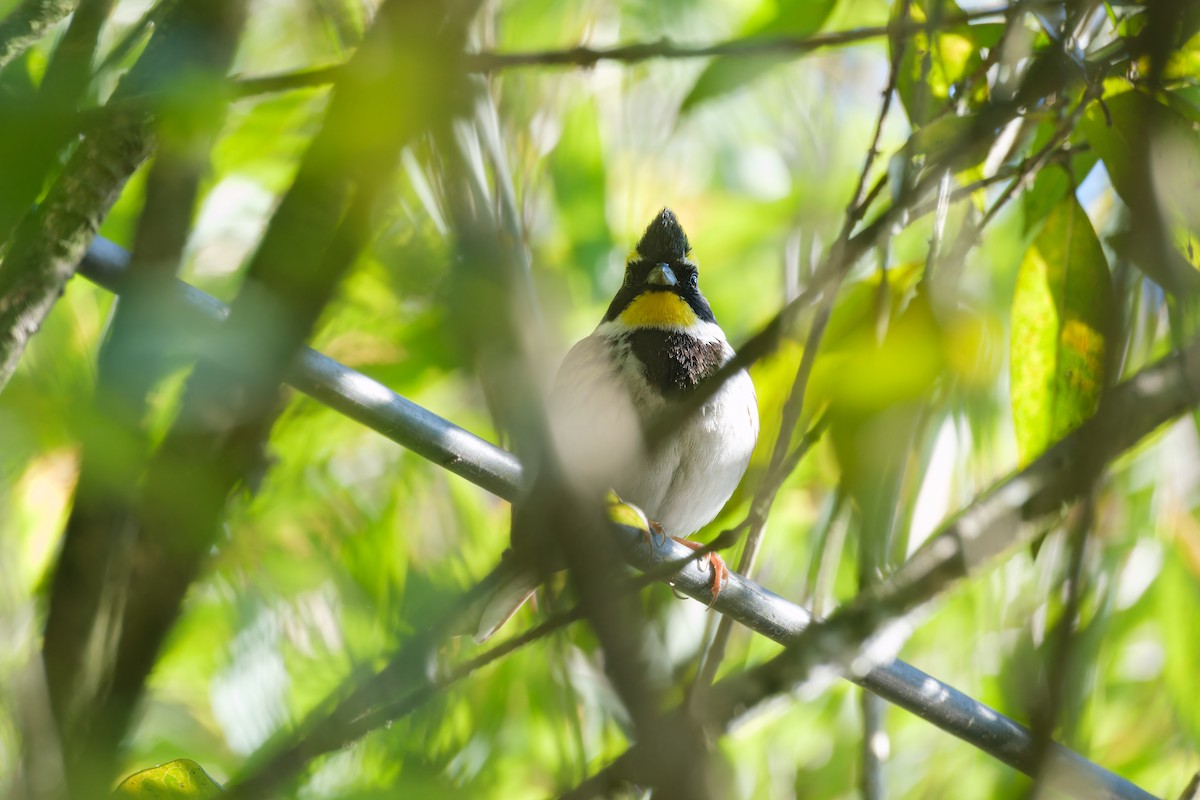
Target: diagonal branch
993	524
27	23
48	243
374	405
346	391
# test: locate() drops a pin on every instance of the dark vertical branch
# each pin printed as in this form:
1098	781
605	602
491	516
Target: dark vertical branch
88	592
874	745
491	312
232	400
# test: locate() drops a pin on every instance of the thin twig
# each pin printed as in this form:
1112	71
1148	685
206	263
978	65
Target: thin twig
338	724
970	234
777	471
840	260
487	62
871	780
1062	651
851	640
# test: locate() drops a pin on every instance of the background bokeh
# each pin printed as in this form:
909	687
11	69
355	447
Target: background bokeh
349	540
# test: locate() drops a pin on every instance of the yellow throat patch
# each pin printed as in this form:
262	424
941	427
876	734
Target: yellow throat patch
659	309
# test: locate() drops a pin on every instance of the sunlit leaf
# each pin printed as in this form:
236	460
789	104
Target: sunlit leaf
880	386
1060	313
181	779
1112	129
930	69
1184	63
883	347
725	74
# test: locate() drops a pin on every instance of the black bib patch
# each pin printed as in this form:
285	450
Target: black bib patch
673	362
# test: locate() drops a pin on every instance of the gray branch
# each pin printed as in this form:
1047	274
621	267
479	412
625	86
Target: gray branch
993	524
465	454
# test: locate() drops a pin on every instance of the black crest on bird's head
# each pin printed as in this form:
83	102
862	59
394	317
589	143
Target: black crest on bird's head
664	239
663	245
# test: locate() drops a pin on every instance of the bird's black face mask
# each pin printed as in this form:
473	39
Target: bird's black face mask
661	263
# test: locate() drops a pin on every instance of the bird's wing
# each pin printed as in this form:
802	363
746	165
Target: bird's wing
516	586
593	421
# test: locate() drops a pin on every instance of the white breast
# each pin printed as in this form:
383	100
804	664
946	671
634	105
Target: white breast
599	414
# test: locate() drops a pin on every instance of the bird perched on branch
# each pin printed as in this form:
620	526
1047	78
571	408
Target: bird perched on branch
657	343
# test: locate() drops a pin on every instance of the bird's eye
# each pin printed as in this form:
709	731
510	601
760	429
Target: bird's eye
629	277
694	278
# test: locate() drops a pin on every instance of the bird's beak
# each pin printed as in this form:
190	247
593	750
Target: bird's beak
661	275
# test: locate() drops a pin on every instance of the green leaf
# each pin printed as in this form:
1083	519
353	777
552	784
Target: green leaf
1184	63
724	74
928	69
949	141
181	778
1110	128
1061	307
883	346
1054	181
580	183
1117	130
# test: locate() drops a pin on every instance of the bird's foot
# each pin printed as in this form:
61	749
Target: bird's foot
720	571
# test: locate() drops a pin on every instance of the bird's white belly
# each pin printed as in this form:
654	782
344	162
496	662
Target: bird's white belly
685	483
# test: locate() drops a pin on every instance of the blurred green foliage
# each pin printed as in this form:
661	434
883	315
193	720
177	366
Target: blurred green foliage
181	779
351	543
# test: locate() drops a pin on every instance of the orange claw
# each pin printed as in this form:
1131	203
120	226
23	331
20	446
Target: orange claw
720	572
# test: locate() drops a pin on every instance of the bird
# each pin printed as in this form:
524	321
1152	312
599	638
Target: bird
656	344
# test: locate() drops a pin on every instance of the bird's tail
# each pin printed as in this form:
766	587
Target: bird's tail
508	586
514	583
